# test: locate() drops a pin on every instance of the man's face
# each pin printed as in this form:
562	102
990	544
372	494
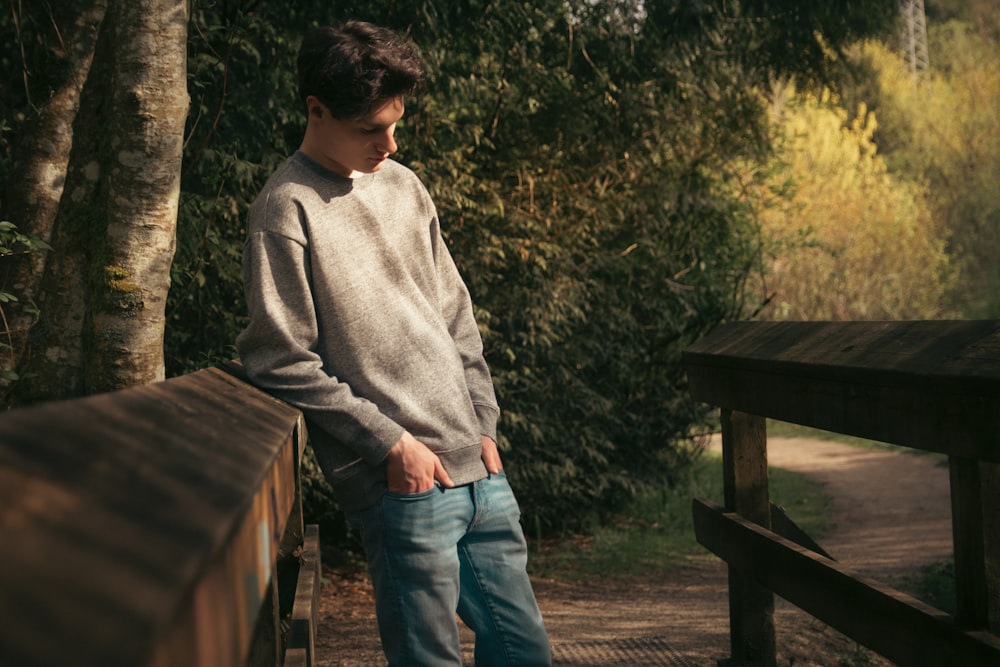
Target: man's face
347	146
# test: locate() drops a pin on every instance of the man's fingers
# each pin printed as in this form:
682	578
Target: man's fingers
491	456
411	467
492	461
441	475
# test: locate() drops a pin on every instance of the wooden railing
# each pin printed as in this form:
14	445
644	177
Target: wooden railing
148	527
933	386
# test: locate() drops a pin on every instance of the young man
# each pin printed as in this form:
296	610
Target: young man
359	317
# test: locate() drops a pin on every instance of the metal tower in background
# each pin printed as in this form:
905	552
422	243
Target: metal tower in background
913	35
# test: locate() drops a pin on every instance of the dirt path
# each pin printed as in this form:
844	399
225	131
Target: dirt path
890	517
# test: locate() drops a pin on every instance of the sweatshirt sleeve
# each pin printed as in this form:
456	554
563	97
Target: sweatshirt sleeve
456	309
278	348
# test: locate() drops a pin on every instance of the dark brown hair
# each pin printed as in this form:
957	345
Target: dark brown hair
352	67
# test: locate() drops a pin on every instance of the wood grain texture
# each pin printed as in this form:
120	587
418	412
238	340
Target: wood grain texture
141	526
305	611
929	385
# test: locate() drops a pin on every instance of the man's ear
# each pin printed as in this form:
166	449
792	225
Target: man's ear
314	106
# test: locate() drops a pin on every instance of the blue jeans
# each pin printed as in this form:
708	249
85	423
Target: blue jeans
443	551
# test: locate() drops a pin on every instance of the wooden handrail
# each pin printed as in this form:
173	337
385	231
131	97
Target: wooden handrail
143	527
930	385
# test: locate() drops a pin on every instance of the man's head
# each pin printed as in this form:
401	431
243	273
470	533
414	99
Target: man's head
356	67
352	80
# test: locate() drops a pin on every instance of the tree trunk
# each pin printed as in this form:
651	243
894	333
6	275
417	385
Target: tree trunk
104	291
124	340
41	156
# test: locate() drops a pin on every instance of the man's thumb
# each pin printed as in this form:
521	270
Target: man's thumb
441	475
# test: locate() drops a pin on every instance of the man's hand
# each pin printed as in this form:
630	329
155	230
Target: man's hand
411	467
491	455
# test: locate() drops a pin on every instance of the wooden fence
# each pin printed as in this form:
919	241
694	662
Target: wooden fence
156	526
933	386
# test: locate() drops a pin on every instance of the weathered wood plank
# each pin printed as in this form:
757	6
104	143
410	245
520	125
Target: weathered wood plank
947	356
893	624
929	385
305	611
140	527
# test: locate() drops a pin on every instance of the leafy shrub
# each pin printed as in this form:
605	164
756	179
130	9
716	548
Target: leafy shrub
580	155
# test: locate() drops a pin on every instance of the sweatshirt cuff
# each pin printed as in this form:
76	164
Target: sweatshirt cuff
487	416
376	446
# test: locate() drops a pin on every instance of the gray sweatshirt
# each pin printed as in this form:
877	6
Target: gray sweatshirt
359	318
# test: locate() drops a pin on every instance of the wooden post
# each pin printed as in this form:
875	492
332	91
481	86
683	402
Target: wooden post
967	534
751	606
305	611
975	500
990	488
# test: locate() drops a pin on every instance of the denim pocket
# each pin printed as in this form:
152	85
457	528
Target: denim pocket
411	497
410	520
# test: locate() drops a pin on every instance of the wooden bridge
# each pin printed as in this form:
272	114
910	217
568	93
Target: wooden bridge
933	386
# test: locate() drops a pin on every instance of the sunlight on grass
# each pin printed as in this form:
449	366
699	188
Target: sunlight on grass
655	535
787	430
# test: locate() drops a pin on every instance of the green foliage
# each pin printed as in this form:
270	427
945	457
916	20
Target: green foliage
14	242
942	129
242	124
589	159
584	176
583	155
580	155
847	240
557	178
14	246
981	13
936	586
